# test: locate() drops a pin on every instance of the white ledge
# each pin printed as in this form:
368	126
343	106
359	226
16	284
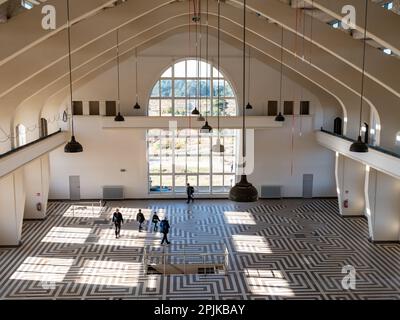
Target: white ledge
252	122
378	160
19	158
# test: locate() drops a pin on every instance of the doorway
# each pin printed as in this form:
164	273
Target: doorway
308	185
75	188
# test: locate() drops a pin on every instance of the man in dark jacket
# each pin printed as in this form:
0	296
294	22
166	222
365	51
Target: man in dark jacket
117	219
155	221
140	218
164	228
190	193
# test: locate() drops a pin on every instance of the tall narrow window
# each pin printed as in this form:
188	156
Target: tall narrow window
43	128
21	135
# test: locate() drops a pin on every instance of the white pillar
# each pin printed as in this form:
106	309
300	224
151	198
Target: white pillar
350	182
383	206
37	181
12	203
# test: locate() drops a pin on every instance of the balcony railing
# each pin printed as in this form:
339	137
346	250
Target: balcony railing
3	155
376	148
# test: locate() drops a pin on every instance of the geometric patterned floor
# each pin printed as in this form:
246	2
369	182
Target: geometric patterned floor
290	249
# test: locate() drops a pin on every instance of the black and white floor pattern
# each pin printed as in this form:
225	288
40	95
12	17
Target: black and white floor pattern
291	249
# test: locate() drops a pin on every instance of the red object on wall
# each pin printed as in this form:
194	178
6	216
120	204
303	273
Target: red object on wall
39	206
346	203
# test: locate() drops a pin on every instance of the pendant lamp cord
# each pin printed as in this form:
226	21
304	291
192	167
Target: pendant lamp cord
70	67
363	65
219	64
249	76
281	80
244	84
136	71
118	81
208	87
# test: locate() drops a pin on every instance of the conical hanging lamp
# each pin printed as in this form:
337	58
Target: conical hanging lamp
119	117
219	147
73	146
280	117
249	106
244	191
359	146
207	128
137	105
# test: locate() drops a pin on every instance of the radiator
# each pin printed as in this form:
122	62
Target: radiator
271	192
113	192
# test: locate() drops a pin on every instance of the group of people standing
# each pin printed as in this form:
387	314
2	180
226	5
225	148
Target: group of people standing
158	225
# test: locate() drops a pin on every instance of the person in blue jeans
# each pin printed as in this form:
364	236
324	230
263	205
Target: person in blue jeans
117	220
155	221
164	229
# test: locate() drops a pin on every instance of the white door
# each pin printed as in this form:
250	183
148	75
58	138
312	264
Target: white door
75	188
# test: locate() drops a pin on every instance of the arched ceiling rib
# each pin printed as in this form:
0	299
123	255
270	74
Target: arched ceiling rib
383	25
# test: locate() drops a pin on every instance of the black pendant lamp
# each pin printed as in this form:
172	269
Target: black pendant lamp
280	117
219	147
73	146
207	128
136	106
359	146
249	106
119	117
244	191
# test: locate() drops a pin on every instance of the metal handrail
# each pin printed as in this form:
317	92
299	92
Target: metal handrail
376	148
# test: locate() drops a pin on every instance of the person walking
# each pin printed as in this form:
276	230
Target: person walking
117	219
164	228
155	221
190	193
140	218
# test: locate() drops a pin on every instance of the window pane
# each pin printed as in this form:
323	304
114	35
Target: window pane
192	88
154	107
191	68
166	108
192	145
216	74
180	107
229	164
229	181
180	183
155	183
204	147
205	88
167	73
180	146
166	146
180	88
166	183
166	164
217	163
204	164
220	88
204	183
230	107
228	90
180	69
154	165
193	181
156	90
192	164
180	164
205	70
154	146
166	88
218	183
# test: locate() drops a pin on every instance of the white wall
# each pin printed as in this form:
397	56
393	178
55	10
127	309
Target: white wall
108	151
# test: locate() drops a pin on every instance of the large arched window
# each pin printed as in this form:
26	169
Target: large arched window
185	156
189	84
